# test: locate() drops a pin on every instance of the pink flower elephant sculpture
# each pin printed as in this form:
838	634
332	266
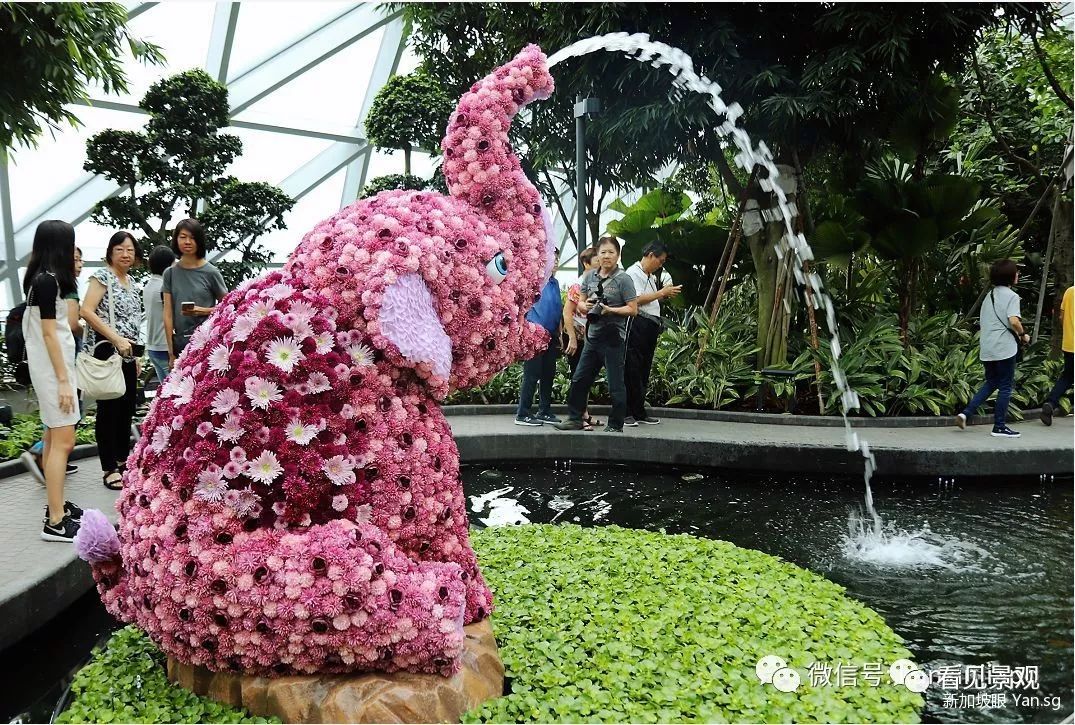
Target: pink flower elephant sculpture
294	503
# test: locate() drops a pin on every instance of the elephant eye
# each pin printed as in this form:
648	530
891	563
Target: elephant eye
497	269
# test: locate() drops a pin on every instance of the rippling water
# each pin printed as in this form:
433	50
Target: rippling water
997	587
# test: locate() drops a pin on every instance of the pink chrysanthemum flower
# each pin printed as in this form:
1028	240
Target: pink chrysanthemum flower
318	383
324	342
177	422
180	388
243	502
284	353
211	486
260	310
339	503
299	432
225	400
338	472
364	514
218	359
278	291
204	428
302	310
265	468
262	393
243	327
233	469
160	439
237	454
231	429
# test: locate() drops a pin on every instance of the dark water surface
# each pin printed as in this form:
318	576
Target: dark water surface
1001	596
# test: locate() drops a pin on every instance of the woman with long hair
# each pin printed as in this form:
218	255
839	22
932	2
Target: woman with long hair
113	309
191	287
50	354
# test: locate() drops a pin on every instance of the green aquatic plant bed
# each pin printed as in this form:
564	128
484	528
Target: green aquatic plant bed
617	625
607	625
126	682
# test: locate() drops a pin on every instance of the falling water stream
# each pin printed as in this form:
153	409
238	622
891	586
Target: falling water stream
868	538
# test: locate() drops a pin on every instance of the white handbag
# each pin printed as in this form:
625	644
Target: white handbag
102	379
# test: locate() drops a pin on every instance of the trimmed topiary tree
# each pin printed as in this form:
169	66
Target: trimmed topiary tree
392	182
409	111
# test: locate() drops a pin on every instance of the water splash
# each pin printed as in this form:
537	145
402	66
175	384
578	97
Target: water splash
499	508
870	542
867	535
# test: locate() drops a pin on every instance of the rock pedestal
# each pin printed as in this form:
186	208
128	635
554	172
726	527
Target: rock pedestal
400	697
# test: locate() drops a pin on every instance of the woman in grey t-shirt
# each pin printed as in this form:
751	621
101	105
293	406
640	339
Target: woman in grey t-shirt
192	287
998	346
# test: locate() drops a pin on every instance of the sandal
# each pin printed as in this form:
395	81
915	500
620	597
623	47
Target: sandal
591	421
586	425
115	484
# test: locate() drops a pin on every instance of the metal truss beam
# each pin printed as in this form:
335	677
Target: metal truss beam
325	41
384	67
10	268
221	39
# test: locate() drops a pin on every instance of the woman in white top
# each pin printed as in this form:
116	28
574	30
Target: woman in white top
113	309
50	355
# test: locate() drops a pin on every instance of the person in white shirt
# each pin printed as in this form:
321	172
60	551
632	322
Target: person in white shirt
644	329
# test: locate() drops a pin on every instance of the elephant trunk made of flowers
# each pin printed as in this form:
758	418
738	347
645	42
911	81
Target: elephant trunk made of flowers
294	503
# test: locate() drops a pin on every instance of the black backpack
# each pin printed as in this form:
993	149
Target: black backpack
15	344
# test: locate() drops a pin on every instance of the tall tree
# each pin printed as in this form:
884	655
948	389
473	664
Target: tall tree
50	52
409	111
176	167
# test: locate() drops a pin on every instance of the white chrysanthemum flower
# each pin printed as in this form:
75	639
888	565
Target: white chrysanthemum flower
324	342
211	486
161	436
338	472
262	393
364	514
301	329
218	359
319	383
361	355
225	400
180	388
284	353
265	468
230	430
299	432
242	328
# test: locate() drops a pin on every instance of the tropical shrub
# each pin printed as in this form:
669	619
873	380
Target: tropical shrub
25	430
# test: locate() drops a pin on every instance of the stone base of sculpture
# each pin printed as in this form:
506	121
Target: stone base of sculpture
401	697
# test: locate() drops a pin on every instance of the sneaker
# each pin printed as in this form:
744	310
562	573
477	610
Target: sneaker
1047	413
961	421
569	425
30	461
64	531
629	422
71	468
1003	431
547	418
649	420
69	509
528	420
611	429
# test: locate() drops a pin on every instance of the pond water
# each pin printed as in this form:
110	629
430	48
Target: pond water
998	594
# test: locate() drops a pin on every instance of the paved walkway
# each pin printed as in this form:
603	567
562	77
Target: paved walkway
39	579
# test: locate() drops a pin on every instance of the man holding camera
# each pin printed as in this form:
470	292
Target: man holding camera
609	300
644	329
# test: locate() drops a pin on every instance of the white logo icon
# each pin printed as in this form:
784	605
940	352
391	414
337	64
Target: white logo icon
899	670
916	681
786	679
767	665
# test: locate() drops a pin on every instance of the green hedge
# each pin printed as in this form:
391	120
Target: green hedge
617	625
610	625
25	430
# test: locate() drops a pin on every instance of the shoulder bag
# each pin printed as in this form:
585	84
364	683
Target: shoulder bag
102	379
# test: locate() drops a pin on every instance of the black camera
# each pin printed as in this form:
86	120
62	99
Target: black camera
595	301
